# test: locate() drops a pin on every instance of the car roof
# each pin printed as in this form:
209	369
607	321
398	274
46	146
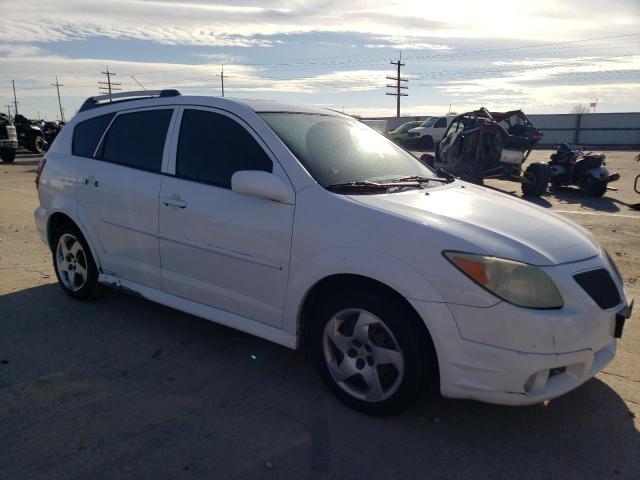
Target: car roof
128	100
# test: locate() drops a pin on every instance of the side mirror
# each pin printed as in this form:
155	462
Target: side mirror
257	183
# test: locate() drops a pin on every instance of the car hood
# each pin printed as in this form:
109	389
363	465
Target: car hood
417	129
492	222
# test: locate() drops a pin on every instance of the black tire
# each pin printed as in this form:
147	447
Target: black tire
8	155
539	174
417	351
427	142
82	258
593	187
36	145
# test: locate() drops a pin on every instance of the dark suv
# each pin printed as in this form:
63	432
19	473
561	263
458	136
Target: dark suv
30	135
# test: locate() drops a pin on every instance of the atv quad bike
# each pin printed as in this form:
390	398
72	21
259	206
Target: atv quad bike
483	144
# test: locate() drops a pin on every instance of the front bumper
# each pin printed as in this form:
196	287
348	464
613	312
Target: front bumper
474	370
9	144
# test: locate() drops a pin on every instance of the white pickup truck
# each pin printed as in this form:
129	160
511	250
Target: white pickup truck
430	132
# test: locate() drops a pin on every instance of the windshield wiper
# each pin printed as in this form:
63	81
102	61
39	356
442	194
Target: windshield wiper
371	186
360	185
421	178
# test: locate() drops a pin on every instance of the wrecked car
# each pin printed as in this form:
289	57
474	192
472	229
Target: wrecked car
483	144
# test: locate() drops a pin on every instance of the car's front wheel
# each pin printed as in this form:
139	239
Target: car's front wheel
8	155
72	260
370	351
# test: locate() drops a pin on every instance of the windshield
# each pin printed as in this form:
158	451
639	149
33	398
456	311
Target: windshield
337	150
429	122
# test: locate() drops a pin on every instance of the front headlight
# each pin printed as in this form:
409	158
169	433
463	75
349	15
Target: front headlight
518	283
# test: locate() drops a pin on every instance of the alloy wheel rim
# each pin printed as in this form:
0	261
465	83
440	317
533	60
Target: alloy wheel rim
71	262
362	355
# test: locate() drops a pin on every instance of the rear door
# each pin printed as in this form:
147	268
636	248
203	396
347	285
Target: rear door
118	194
219	248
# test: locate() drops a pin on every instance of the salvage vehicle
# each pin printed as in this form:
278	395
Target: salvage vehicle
50	129
30	134
430	132
483	144
401	134
587	170
306	228
8	139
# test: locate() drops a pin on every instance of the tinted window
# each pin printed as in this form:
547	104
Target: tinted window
441	123
212	147
87	134
137	139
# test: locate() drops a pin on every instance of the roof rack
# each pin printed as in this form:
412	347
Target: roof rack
102	100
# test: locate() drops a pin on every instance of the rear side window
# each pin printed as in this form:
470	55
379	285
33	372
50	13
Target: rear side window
87	134
212	147
137	139
441	123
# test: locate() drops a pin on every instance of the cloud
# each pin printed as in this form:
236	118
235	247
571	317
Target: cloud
241	23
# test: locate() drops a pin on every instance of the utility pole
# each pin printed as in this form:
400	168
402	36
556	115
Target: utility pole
398	79
222	79
15	99
8	105
110	86
58	85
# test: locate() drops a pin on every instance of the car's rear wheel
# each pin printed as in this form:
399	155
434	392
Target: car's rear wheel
593	187
37	144
369	351
72	260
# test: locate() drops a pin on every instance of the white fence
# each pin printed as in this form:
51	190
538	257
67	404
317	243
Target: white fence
587	129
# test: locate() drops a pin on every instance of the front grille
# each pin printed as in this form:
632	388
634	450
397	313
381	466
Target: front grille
599	285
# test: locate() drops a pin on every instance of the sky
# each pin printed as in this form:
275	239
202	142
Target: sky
543	56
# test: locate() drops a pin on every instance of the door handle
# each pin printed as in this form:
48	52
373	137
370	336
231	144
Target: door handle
90	179
174	202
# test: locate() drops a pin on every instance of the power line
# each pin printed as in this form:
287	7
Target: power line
139	84
58	85
398	79
110	86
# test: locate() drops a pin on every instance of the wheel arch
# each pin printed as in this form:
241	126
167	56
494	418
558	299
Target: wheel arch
343	281
59	218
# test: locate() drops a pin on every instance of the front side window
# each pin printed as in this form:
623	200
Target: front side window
441	123
337	150
137	139
87	134
212	147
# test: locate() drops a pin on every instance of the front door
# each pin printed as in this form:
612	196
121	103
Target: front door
217	247
118	195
